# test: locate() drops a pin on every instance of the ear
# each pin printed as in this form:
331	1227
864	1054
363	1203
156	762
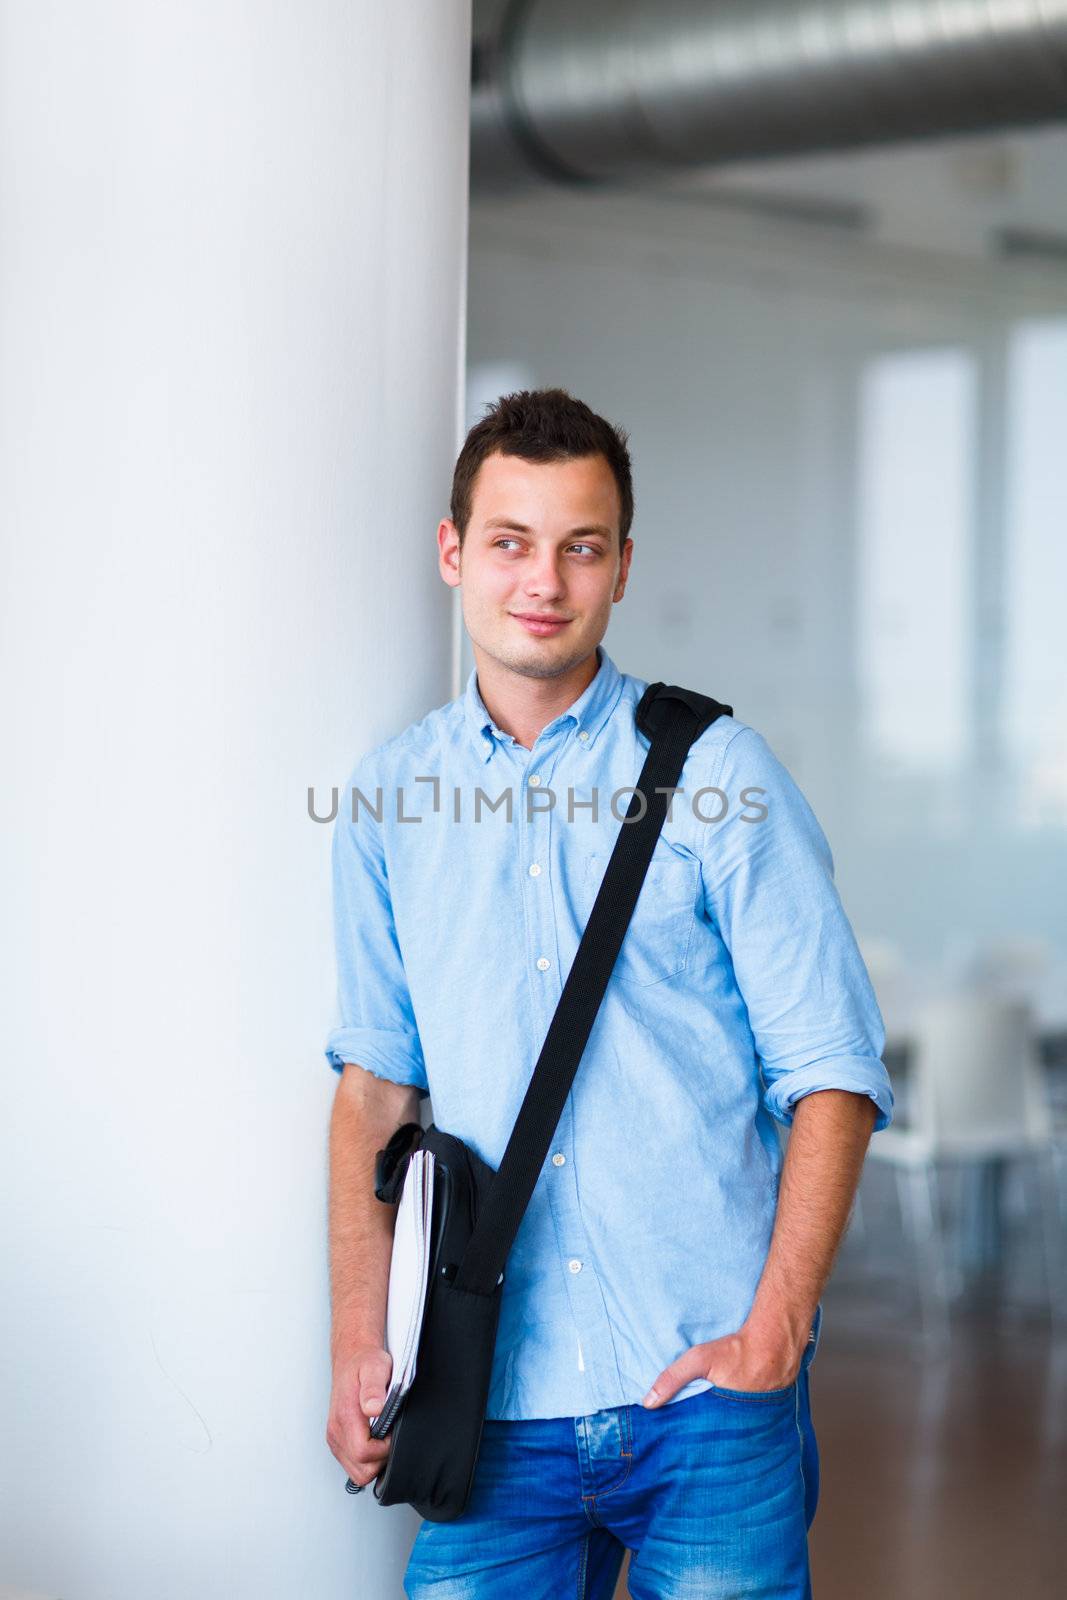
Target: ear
624	570
448	552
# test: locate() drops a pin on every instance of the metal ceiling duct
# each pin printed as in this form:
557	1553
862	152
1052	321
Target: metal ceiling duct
594	90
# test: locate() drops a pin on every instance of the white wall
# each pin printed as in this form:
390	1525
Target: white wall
779	562
232	298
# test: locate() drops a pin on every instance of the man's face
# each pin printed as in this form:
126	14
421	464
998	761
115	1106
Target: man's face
542	541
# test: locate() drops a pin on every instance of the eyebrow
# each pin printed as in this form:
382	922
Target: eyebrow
520	527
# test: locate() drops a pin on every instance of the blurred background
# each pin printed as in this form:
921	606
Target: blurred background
814	258
260	268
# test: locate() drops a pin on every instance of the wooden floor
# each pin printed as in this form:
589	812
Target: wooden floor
941	1478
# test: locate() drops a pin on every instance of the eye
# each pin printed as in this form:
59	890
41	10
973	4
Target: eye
505	539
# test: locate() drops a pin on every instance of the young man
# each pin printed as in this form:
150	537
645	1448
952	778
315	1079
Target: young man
661	1301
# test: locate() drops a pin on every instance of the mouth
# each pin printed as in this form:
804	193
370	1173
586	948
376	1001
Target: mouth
541	625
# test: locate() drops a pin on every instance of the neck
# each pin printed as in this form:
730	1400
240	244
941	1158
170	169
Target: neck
523	705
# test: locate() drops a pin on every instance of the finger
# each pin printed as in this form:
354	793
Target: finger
356	1463
374	1378
353	1447
365	1446
672	1378
353	1467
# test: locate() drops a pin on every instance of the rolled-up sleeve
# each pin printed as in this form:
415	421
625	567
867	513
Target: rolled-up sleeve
374	1024
770	891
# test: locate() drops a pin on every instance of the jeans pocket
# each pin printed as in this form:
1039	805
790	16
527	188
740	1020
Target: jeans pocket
788	1390
813	1340
767	1395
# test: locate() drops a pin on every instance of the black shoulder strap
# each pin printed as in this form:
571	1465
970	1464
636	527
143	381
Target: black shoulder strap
671	719
655	708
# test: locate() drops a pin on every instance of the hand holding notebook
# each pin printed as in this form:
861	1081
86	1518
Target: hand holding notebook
408	1276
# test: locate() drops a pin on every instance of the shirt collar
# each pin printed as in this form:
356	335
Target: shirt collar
589	712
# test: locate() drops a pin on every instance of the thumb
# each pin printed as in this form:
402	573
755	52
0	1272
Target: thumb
374	1375
675	1377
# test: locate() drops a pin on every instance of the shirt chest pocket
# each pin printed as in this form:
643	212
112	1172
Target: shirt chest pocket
657	939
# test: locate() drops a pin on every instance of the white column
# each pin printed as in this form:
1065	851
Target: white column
232	279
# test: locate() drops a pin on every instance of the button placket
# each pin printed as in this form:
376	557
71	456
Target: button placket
536	836
584	1292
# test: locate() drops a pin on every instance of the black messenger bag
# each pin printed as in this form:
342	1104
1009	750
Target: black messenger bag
476	1211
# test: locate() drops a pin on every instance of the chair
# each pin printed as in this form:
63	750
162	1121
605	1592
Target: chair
977	1094
894	984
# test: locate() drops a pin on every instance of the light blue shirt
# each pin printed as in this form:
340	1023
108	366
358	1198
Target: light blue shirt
739	988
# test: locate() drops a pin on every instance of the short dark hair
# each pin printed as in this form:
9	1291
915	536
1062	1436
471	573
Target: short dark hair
541	425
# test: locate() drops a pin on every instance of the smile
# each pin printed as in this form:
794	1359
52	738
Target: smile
541	625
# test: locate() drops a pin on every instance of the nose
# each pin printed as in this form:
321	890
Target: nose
543	579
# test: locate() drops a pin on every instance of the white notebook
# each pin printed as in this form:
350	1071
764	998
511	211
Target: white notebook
408	1277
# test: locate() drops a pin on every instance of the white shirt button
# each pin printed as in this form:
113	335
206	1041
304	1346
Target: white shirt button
575	1266
535	780
584	734
535	870
543	963
558	1159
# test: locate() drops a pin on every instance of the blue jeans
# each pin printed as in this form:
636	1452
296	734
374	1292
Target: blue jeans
713	1494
